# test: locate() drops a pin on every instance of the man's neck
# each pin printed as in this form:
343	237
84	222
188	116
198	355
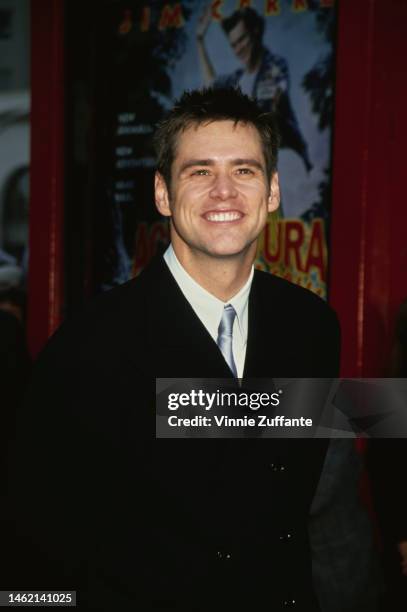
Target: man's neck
222	277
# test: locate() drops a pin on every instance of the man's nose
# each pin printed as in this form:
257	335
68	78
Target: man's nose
223	188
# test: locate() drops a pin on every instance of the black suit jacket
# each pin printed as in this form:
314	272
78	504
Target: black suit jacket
135	523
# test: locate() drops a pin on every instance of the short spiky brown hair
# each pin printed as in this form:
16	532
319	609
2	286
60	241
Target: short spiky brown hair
205	106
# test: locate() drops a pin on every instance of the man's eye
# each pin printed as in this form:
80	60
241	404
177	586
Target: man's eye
201	172
244	171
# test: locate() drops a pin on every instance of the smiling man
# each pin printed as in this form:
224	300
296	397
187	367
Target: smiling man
138	523
218	204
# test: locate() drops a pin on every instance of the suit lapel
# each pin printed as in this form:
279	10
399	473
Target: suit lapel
259	360
186	349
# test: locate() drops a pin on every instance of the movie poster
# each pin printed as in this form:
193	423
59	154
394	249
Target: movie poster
282	53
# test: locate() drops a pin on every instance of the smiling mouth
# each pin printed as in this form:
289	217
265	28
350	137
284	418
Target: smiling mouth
223	216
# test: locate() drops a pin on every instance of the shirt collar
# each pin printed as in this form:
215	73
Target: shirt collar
208	307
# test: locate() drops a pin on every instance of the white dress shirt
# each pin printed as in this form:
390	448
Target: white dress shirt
209	308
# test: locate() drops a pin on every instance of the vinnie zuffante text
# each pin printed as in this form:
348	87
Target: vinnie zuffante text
218	399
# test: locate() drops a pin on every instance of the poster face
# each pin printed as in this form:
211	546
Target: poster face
281	53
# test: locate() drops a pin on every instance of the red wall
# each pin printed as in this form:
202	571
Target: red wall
369	243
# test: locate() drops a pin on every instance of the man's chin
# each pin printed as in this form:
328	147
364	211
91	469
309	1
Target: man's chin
228	252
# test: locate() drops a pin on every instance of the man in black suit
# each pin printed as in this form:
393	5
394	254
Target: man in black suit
137	523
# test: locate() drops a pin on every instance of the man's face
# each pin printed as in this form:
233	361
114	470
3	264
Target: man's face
220	195
241	42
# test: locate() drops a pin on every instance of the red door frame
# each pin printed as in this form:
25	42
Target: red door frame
45	284
368	252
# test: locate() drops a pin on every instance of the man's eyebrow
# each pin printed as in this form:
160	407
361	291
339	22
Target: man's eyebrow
240	161
196	162
248	162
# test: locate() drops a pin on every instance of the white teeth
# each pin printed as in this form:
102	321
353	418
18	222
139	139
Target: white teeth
223	216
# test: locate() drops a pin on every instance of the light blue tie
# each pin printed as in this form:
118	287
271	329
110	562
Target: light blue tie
225	336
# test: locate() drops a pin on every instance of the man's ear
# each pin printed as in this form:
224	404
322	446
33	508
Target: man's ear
274	195
162	200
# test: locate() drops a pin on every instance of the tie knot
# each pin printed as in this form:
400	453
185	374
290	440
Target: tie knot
228	318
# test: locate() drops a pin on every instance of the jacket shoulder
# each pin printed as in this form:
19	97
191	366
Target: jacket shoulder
291	296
